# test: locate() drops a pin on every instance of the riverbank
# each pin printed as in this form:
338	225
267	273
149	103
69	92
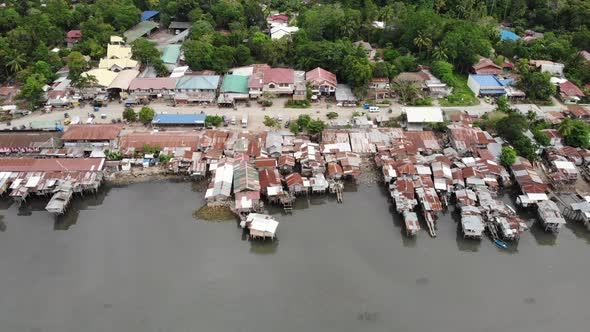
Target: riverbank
152	174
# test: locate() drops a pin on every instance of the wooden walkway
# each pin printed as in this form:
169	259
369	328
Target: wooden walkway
492	230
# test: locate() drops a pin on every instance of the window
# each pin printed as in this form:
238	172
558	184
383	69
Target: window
284	85
271	86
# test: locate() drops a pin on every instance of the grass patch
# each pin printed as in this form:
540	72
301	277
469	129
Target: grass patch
298	103
215	213
461	96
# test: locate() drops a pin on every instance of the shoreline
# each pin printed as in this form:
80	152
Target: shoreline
127	178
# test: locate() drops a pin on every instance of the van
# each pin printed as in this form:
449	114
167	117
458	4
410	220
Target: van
373	109
233	120
244	121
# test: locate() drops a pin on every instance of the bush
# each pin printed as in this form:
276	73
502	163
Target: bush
426	101
213	120
541	137
332	115
266	102
298	103
508	156
129	115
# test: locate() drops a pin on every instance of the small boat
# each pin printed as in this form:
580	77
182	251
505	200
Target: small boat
501	244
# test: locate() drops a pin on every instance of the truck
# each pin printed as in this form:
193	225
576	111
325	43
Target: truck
244	121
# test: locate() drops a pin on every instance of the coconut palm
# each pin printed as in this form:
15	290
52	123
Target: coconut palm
16	62
422	40
440	53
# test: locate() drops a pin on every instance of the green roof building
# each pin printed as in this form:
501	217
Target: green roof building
235	84
171	54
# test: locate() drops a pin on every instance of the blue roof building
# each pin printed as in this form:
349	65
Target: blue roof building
149	15
485	85
179	120
508	35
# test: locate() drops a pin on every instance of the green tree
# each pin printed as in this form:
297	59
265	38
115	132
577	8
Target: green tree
576	133
16	62
294	127
440	53
303	120
145	51
422	41
76	64
199	55
146	115
508	157
32	90
270	122
316	126
535	84
129	115
541	138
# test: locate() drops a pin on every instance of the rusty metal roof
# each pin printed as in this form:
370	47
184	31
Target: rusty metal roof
51	165
92	132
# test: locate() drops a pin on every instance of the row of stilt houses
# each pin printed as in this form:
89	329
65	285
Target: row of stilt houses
426	172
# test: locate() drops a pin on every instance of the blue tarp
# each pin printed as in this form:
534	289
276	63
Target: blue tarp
508	35
149	14
179	119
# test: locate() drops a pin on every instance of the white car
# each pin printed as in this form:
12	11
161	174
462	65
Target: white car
373	109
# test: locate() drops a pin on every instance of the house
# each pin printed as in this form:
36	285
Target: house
150	15
245	177
322	81
261	226
265	163
506	35
92	136
233	88
277	20
118	56
153	87
193	120
570	93
170	56
485	85
72	37
281	31
578	112
553	68
139	30
280	81
369	50
486	66
297	184
196	88
271	184
418	116
434	86
122	81
286	163
344	96
300	87
177	27
379	87
103	77
220	187
418	79
466	139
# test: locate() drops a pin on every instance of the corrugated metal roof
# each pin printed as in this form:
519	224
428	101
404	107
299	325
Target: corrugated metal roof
245	177
198	82
180	119
50	165
92	132
171	54
235	84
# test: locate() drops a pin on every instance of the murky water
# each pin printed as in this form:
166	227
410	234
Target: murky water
133	259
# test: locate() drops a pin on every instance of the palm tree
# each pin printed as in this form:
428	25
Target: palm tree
440	53
566	127
16	62
422	41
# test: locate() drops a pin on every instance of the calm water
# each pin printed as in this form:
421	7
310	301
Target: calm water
134	259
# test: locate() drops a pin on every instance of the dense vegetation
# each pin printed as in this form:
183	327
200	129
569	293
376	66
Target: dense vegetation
230	33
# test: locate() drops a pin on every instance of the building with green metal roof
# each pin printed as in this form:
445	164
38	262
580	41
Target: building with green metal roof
171	54
234	87
139	30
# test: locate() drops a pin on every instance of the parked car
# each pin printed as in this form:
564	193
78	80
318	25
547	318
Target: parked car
287	123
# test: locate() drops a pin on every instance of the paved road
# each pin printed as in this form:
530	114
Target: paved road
255	113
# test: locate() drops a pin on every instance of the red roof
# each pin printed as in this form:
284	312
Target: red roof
380	80
321	76
256	80
570	89
279	75
265	162
578	110
552	133
286	160
92	132
294	179
269	178
334	168
51	165
486	66
73	34
162	139
278	18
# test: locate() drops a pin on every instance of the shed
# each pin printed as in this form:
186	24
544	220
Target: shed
179	119
139	30
344	95
149	15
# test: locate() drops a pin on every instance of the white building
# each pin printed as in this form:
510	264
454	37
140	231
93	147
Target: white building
418	116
